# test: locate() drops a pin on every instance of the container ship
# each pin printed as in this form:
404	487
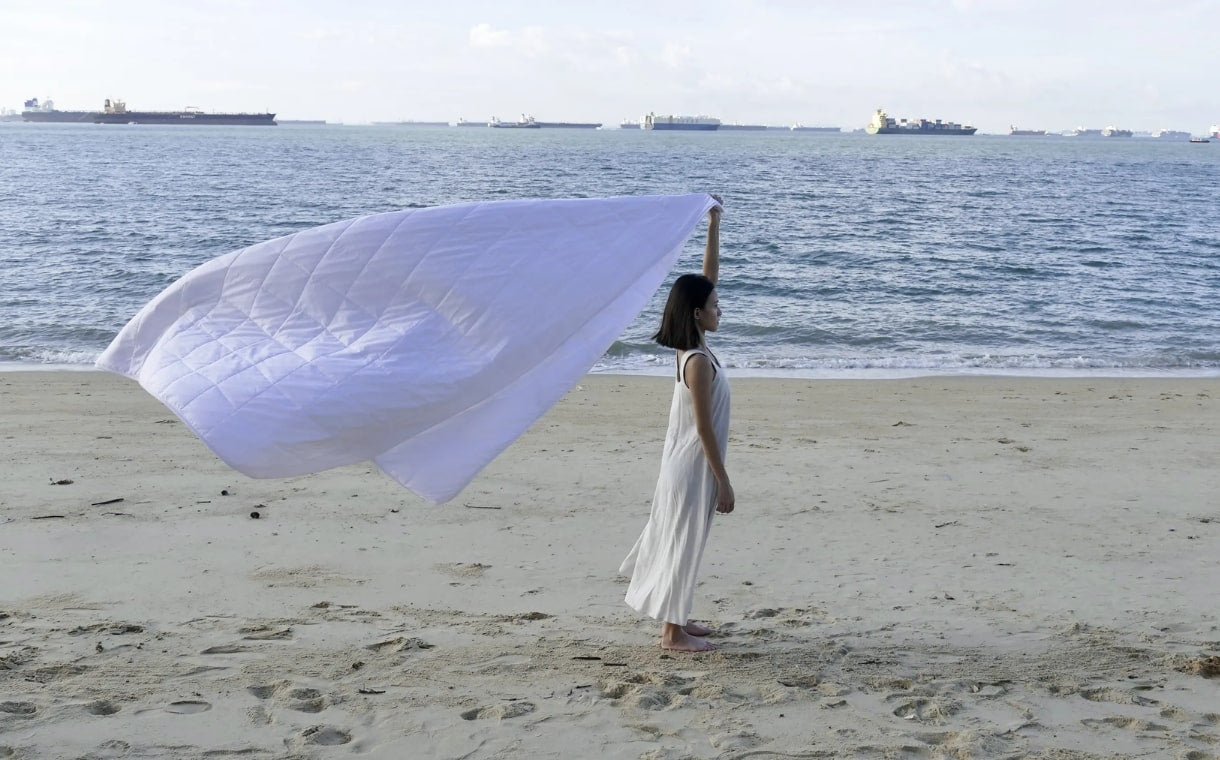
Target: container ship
1014	132
684	123
882	124
1115	132
1171	134
1083	132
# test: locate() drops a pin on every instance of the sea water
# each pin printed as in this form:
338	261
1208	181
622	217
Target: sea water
842	255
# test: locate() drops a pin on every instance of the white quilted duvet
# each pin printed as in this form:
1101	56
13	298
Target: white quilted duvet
426	340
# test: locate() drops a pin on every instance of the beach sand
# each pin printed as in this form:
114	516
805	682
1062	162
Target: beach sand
922	568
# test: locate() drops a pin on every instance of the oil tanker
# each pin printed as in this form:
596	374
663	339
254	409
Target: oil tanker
115	112
882	124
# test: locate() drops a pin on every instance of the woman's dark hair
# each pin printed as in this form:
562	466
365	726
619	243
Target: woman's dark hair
678	327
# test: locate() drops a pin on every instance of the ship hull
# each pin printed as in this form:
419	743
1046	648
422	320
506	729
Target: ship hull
930	132
664	127
187	118
743	127
60	117
569	124
816	129
1027	133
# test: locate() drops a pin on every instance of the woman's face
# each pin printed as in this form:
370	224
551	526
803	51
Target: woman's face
708	318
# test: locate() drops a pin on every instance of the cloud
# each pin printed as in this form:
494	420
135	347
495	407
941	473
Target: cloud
484	36
675	55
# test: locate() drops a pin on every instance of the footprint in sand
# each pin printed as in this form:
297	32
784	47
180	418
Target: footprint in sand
463	569
398	644
500	712
1117	696
188	707
926	710
226	649
326	736
101	707
18	708
307	700
1131	724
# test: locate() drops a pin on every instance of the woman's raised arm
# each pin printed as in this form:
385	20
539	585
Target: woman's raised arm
711	254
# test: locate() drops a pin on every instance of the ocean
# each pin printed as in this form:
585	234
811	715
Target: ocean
843	255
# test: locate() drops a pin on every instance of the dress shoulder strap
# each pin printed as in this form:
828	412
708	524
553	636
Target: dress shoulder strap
685	356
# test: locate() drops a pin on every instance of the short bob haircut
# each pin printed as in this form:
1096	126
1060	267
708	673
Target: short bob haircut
678	327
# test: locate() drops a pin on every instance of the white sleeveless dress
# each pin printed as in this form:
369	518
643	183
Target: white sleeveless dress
664	563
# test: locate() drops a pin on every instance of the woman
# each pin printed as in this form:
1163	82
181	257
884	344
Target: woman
664	562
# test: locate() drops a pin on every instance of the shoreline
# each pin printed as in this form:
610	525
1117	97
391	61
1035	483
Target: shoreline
929	567
819	374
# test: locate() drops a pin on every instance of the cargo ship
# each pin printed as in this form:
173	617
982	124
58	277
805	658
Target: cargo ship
46	112
684	123
1214	131
1014	132
803	128
882	124
1083	132
526	122
1115	132
742	127
464	123
1171	134
570	124
407	123
115	112
628	124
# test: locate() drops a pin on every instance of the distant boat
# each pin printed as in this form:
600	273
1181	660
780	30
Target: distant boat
684	123
882	124
299	122
410	123
628	124
1013	131
1214	131
1115	132
464	123
570	124
46	112
743	127
1082	132
1171	134
803	128
1199	140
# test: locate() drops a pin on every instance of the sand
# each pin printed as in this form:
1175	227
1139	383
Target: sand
922	568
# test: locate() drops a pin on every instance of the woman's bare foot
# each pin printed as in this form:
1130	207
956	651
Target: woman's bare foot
694	629
676	638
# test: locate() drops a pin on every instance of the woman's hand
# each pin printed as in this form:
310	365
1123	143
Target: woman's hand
715	211
725	499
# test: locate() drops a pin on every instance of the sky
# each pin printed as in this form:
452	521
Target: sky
1036	64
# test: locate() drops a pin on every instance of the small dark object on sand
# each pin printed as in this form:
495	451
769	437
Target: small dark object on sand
255	515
